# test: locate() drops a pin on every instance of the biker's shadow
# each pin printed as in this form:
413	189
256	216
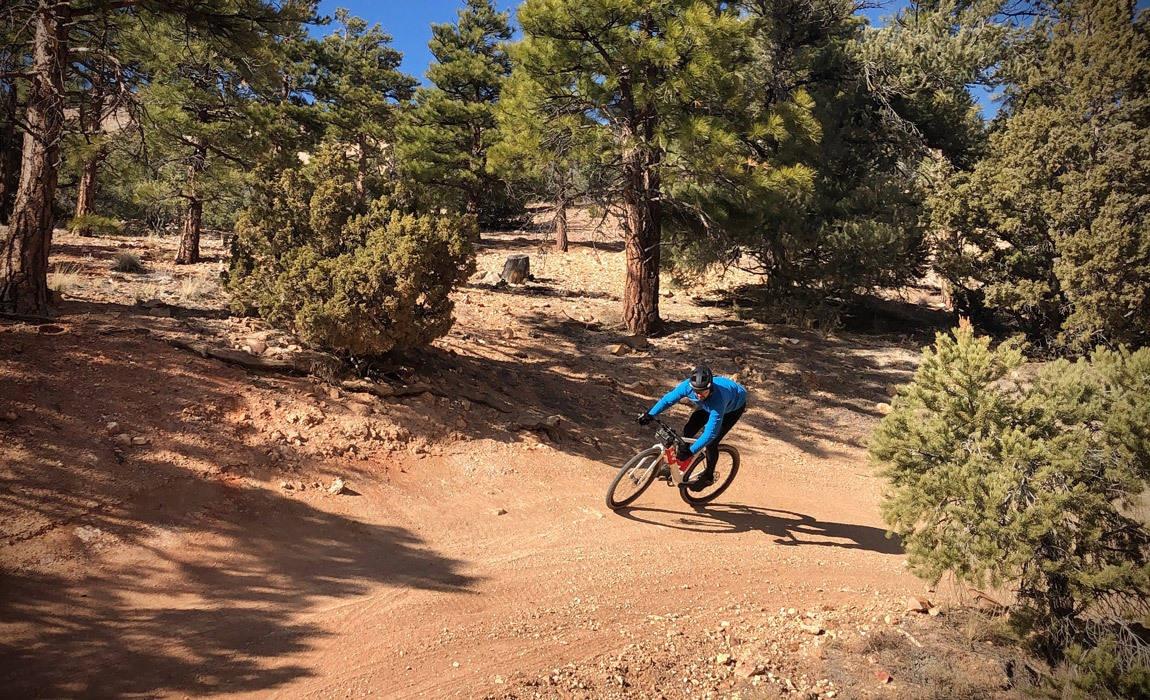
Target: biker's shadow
786	527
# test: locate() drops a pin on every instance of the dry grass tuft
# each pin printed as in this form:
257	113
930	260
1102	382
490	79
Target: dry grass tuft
128	262
66	279
194	289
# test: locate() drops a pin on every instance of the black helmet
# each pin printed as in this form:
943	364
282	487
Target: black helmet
701	378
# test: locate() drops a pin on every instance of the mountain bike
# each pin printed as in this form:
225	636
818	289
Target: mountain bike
641	470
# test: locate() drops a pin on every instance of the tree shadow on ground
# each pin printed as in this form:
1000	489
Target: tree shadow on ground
541	287
96	251
873	315
817	393
202	577
603	246
516	243
142	311
863	314
786	527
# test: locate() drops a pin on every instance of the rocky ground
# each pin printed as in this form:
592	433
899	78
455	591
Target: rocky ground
196	504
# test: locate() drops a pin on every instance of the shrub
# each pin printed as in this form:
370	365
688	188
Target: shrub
1002	480
95	225
361	278
128	262
1105	663
999	481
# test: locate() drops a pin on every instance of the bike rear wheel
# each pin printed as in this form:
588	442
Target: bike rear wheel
726	468
634	477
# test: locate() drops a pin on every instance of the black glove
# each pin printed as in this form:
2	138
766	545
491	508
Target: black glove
645	418
683	452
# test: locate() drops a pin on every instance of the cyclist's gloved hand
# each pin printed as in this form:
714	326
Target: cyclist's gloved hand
645	418
683	452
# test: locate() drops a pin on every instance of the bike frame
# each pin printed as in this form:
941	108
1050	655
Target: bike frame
667	453
642	469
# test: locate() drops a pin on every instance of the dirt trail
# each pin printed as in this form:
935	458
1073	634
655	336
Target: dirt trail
469	556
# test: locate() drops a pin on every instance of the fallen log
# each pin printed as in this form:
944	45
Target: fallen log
239	358
386	391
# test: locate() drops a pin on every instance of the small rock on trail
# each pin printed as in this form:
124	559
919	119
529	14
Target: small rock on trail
254	346
359	409
917	604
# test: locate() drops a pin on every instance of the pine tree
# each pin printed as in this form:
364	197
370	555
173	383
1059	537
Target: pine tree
332	244
554	160
640	75
24	250
99	99
358	86
445	137
808	174
1049	230
922	65
54	31
196	123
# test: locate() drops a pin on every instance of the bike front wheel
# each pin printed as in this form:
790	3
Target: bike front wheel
726	467
634	477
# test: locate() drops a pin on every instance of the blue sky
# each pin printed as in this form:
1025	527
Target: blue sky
409	22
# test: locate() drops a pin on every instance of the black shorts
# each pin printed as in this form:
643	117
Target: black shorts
698	420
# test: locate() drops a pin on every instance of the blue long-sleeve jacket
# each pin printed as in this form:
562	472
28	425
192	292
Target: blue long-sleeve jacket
726	396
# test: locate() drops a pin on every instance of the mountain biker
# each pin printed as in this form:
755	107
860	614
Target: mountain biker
719	404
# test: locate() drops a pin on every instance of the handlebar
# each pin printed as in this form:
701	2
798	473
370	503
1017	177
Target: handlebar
666	433
659	422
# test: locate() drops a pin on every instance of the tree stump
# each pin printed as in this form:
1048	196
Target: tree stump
517	269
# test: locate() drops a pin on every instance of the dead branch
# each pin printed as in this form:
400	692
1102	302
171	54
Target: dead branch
386	391
239	358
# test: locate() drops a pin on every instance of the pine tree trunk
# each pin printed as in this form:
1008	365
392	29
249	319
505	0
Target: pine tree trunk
86	192
642	214
10	144
190	235
193	218
641	294
478	160
561	225
643	228
24	252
